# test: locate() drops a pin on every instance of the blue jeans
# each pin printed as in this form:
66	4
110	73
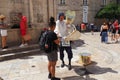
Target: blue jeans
104	37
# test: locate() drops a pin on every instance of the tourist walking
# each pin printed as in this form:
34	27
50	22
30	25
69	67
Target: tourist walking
23	29
116	27
104	33
3	32
53	45
92	28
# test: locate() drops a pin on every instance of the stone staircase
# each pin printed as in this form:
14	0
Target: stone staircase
17	52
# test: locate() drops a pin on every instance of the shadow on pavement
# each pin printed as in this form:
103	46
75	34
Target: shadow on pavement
99	70
87	77
26	57
30	56
77	43
80	72
92	68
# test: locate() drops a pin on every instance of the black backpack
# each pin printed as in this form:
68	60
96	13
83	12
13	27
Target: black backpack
44	43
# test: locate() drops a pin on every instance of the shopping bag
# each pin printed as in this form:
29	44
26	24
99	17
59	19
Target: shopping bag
75	35
27	37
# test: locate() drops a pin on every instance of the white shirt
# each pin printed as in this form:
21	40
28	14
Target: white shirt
61	28
3	30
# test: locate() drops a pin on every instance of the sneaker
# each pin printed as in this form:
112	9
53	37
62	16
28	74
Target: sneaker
22	45
62	65
69	67
5	47
116	41
49	75
54	78
25	44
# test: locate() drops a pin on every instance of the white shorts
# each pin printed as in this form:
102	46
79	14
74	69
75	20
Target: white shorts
3	32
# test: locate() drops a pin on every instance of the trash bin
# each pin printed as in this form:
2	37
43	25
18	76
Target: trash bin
85	58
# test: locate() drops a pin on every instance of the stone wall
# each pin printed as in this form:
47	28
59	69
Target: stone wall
38	12
13	38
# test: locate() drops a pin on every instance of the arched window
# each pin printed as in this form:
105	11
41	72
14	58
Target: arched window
85	2
62	1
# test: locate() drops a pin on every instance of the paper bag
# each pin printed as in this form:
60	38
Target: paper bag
75	35
27	37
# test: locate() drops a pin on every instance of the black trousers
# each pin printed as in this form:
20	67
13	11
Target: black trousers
68	50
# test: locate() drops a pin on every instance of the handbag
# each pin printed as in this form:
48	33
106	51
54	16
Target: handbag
75	35
27	37
101	33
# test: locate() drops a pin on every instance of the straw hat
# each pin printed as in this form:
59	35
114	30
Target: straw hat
2	16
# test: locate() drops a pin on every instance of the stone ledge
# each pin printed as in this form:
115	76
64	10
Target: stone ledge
19	55
14	37
18	49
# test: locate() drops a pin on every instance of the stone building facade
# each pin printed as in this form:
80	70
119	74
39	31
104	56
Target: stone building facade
85	9
38	12
35	10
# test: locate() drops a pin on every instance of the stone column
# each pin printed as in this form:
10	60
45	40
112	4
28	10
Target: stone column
31	12
52	8
26	9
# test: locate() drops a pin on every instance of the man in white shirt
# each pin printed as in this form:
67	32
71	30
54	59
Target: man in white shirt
62	31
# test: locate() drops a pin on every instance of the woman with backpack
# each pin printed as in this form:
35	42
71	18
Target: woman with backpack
52	55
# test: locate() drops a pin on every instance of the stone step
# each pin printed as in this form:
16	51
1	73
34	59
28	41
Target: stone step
17	52
18	49
16	55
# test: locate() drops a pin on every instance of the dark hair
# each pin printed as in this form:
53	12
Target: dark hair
52	22
20	13
61	14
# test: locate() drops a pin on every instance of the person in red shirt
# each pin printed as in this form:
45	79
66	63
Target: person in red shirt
116	26
83	27
23	28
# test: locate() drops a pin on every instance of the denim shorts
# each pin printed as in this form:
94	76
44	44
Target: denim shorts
53	56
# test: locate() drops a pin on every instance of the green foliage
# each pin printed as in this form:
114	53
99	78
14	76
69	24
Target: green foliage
110	11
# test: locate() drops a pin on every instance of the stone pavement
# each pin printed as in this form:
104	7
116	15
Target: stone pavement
105	66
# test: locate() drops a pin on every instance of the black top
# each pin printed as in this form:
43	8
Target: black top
104	30
51	37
